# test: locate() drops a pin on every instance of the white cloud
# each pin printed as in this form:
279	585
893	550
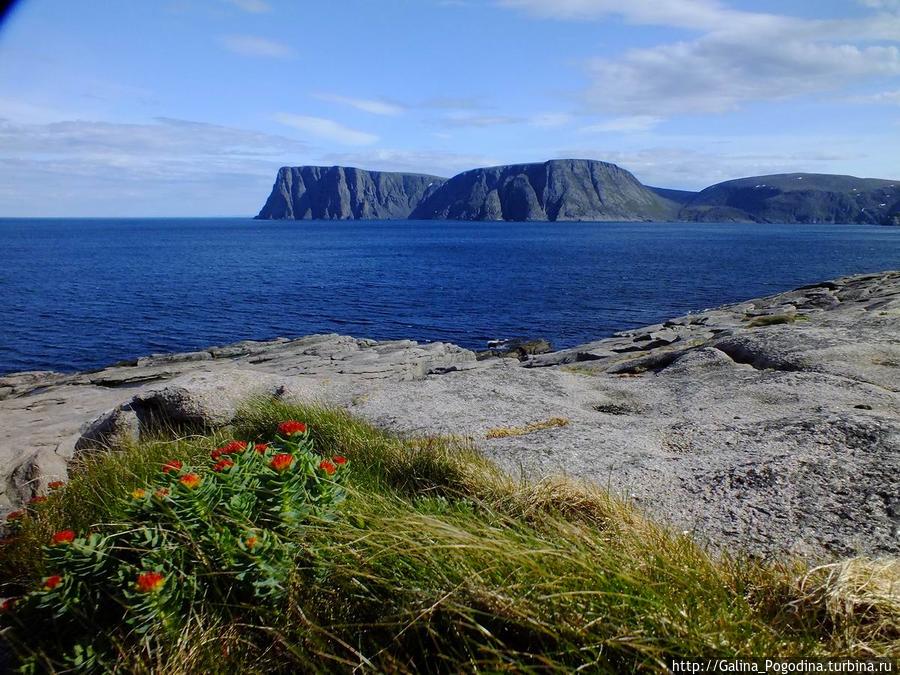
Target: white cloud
636	123
888	97
100	142
327	129
739	56
550	120
252	6
374	106
252	45
881	4
469	119
696	14
165	167
425	161
717	73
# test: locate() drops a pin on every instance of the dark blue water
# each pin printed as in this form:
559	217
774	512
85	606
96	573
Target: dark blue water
80	294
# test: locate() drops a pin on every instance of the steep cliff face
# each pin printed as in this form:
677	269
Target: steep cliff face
567	189
574	189
797	198
342	193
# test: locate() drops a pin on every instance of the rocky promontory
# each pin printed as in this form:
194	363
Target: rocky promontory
771	425
342	193
575	189
563	189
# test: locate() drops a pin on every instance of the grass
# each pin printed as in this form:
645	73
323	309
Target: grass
439	562
776	319
530	428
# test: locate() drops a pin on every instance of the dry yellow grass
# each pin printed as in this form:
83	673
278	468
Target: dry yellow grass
504	432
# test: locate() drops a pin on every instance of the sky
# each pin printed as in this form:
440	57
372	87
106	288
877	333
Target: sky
188	107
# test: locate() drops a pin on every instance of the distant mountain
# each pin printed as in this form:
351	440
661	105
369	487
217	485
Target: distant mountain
797	198
342	193
677	196
575	189
563	189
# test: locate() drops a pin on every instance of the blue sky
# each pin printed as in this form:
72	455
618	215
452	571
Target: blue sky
188	107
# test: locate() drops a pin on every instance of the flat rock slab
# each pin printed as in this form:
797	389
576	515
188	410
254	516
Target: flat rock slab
771	425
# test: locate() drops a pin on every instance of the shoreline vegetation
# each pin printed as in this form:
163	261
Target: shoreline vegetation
434	560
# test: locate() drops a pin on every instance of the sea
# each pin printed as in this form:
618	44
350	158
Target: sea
80	294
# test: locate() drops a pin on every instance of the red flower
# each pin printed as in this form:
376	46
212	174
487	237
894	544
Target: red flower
15	515
261	447
55	484
339	459
291	427
190	480
281	461
52	582
40	499
327	466
162	493
7	605
222	464
229	449
63	537
171	466
150	582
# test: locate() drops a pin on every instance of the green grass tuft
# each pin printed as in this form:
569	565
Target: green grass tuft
439	562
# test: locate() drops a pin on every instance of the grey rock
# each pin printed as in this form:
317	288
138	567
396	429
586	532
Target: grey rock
566	189
110	429
31	477
775	436
162	359
575	189
343	193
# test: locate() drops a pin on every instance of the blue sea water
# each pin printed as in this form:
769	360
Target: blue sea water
81	294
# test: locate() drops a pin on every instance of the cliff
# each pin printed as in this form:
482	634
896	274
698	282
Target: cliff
566	189
342	193
575	189
797	198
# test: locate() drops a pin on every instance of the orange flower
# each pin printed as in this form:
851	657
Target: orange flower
281	461
261	447
162	493
150	582
229	449
172	465
222	464
40	499
339	459
251	542
52	582
327	466
291	427
190	480
139	493
15	515
55	484
63	537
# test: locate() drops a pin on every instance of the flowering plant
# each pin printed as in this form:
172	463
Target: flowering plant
223	529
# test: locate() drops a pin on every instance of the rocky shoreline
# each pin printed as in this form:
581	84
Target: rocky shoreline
771	425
